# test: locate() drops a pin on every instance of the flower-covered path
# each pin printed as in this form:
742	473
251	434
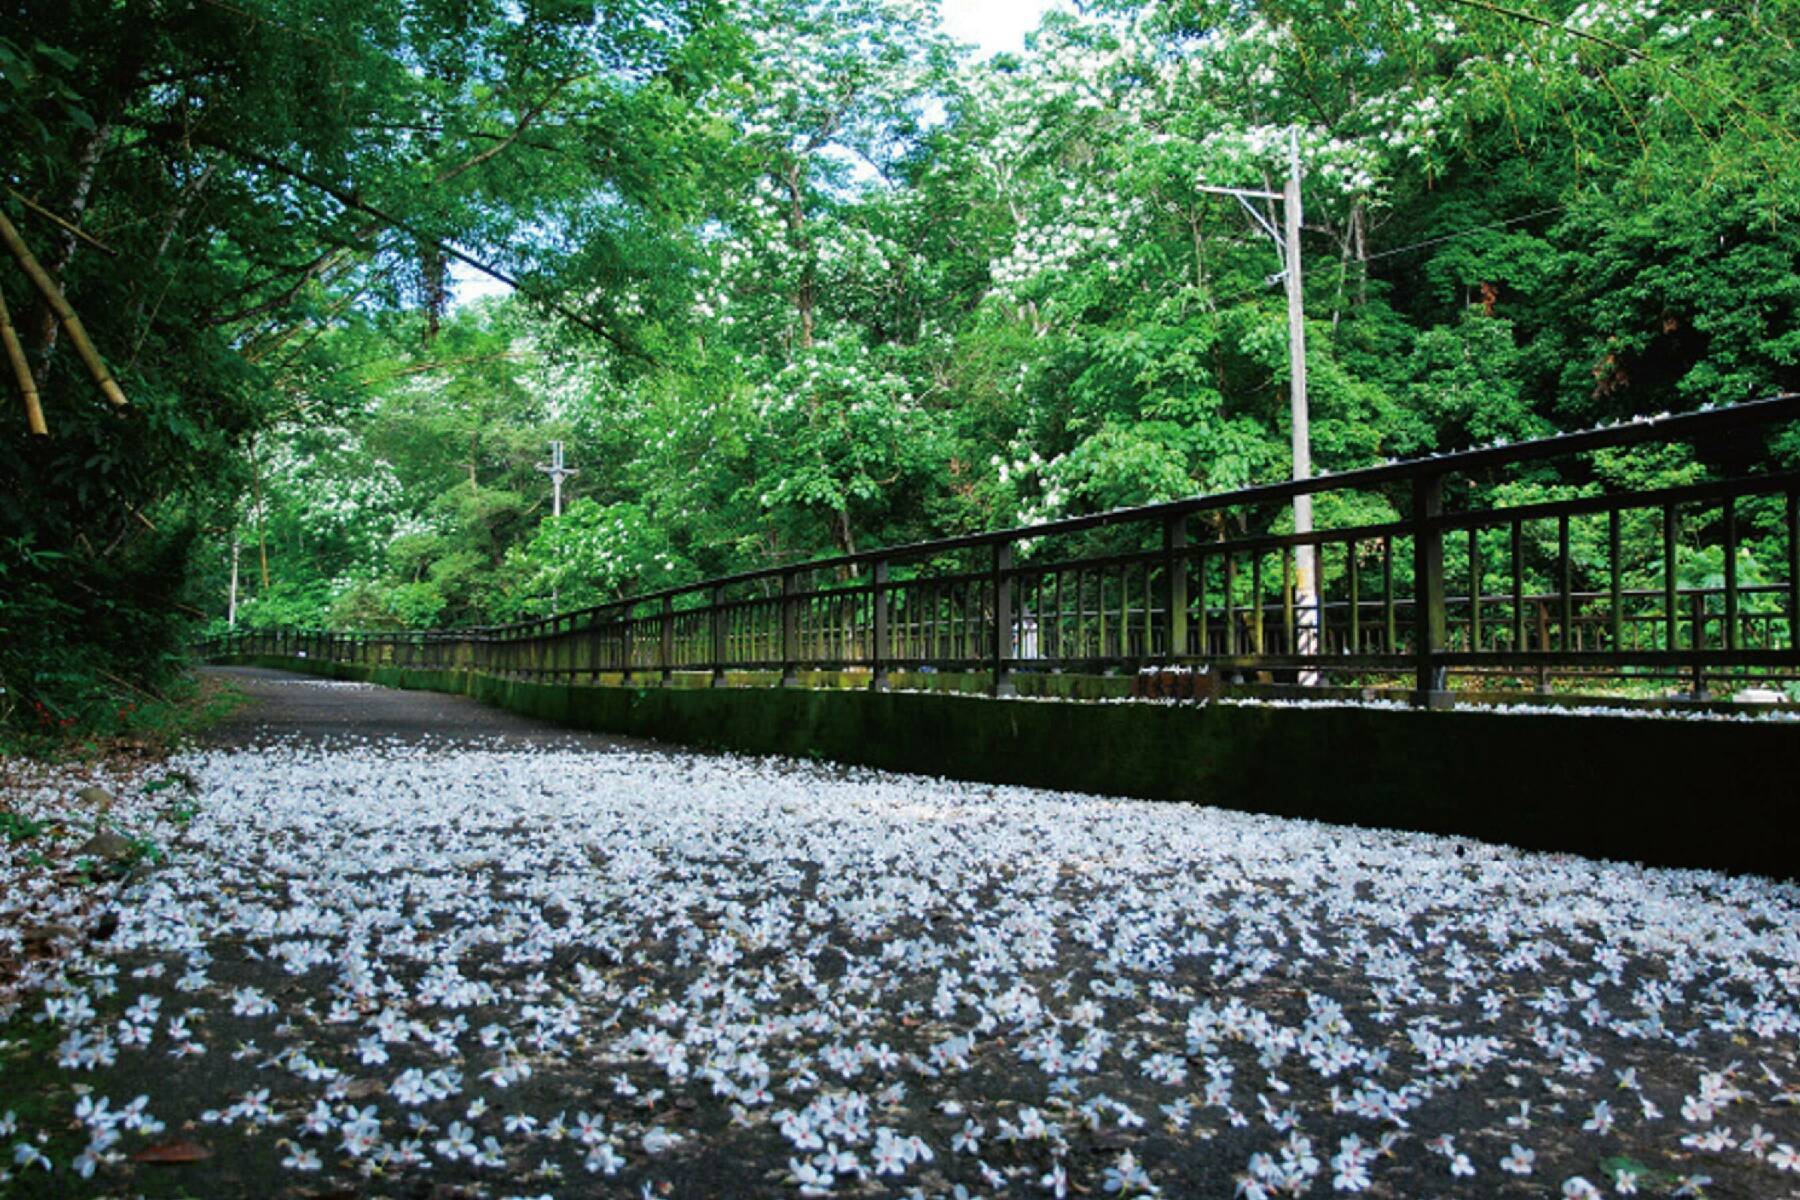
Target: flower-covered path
401	946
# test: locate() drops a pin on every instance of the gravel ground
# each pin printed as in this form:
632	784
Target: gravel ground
412	947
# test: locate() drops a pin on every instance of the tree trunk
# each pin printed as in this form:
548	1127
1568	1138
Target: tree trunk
177	215
262	534
62	248
436	270
841	533
806	295
231	599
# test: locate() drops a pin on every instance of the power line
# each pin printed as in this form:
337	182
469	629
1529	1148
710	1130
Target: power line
1449	237
1326	267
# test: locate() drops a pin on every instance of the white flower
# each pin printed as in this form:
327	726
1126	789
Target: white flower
1519	1161
603	1159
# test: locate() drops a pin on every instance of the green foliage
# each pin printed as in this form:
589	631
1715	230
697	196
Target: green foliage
1466	385
16	828
591	554
799	277
256	176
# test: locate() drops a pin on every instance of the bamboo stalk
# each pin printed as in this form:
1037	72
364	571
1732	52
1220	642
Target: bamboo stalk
34	411
54	298
67	227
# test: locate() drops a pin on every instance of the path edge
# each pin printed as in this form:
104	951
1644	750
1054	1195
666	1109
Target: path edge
1664	792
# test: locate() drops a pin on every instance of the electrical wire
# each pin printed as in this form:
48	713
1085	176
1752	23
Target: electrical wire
1449	237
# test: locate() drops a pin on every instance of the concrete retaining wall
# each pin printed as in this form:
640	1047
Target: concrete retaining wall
1669	792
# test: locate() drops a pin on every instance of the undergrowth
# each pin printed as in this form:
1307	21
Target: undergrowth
135	721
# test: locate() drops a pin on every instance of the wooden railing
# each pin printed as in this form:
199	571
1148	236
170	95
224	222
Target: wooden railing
1586	586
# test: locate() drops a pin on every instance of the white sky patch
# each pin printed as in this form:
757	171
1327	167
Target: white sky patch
468	285
995	26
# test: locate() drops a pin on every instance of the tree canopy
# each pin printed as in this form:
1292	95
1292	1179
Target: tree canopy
798	276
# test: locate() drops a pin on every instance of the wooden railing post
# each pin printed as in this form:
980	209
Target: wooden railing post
1698	642
790	629
1793	570
625	647
1175	589
1429	617
1730	549
718	637
1001	579
880	649
665	649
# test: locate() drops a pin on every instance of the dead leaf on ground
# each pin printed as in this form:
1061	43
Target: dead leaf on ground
172	1153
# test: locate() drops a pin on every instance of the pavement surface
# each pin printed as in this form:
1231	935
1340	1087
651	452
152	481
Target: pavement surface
301	709
395	944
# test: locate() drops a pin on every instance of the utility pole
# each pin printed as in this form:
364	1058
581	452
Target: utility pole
557	473
1306	601
1287	241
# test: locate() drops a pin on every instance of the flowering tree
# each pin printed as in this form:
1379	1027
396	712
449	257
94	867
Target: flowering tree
854	286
